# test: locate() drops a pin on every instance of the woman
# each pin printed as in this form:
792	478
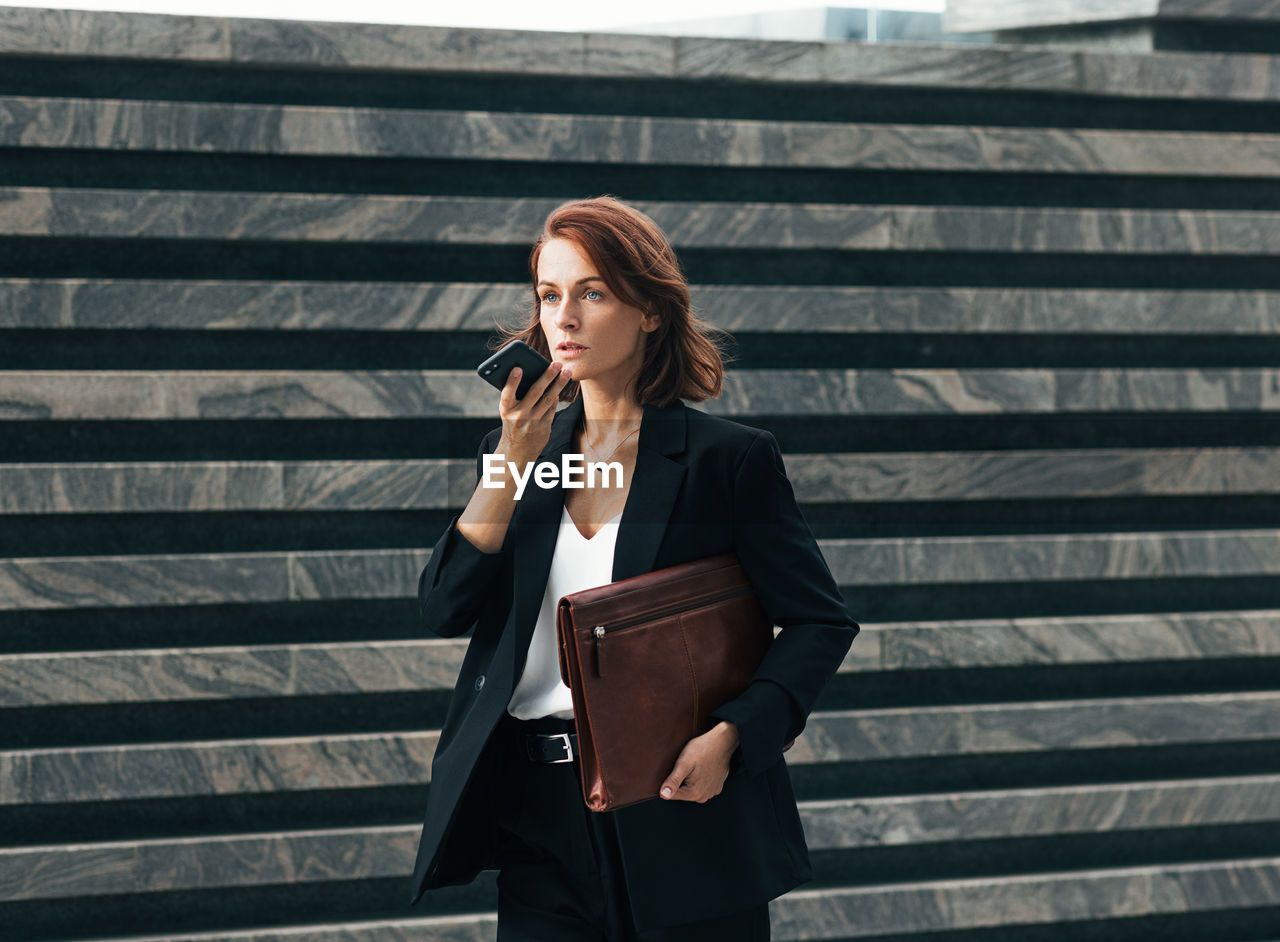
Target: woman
702	861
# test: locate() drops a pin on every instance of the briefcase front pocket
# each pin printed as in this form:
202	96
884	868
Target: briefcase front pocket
646	667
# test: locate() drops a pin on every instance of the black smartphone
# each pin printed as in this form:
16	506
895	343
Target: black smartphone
498	367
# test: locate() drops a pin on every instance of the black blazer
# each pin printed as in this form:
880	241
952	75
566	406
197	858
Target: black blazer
702	485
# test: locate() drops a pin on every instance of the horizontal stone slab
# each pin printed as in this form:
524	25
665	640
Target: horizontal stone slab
359	853
202	127
351	668
983	15
465	220
287	305
1024	900
206	863
198	579
469	927
43	395
1048	726
1097	639
215	768
201	579
1053	557
368	760
1018	813
198	486
403	484
1003	475
425	49
228	673
284	305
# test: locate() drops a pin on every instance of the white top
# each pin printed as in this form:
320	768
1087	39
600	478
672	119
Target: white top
577	563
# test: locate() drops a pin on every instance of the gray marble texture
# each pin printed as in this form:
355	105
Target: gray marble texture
228	673
469	927
199	579
465	220
1042	726
156	866
368	760
1013	813
1051	557
222	767
41	395
25	31
914	476
263	305
162	126
402	484
293	305
983	15
1096	639
876	910
338	668
195	579
116	487
162	865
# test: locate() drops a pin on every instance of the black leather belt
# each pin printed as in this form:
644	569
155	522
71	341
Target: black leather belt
551	748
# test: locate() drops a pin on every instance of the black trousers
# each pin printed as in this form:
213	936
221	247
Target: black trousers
560	874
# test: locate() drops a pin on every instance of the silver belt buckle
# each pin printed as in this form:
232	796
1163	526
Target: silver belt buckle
568	749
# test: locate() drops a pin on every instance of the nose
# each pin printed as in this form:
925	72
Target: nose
566	315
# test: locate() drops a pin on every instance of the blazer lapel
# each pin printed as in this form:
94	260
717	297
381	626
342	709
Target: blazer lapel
536	523
654	487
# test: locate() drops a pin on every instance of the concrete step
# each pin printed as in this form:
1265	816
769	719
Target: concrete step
361	853
457	220
43	395
283	305
183	674
296	130
420	484
290	764
208	578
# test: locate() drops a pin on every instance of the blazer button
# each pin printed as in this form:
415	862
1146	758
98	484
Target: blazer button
480	681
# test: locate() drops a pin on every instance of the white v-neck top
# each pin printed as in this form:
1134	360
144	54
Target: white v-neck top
576	564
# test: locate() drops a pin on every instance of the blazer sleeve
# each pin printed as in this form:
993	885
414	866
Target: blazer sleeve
456	580
790	577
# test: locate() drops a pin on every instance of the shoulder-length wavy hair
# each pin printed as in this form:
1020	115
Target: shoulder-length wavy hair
685	356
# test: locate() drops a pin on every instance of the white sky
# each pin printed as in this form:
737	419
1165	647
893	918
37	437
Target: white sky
567	15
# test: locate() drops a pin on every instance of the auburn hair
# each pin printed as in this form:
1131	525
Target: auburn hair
684	356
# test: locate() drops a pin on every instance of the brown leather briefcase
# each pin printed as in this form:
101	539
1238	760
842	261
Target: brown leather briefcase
647	659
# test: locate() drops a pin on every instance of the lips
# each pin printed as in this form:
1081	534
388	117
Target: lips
571	346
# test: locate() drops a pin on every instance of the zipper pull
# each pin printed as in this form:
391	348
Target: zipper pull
598	631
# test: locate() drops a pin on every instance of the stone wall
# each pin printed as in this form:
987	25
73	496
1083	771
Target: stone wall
1013	315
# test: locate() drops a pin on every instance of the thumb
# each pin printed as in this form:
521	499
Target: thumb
675	779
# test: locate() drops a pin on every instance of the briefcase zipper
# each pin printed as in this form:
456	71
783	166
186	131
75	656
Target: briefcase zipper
599	631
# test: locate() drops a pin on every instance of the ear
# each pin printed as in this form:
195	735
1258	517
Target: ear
650	322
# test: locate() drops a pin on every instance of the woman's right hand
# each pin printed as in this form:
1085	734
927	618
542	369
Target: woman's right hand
526	423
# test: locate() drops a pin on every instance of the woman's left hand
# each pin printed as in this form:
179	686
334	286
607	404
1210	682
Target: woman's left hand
702	766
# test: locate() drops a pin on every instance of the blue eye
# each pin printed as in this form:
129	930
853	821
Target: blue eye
594	291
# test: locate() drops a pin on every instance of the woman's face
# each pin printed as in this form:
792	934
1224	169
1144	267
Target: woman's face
577	308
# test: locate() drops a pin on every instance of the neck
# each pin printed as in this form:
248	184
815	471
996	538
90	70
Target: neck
606	414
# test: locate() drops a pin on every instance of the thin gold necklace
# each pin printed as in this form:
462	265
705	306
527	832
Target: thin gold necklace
615	447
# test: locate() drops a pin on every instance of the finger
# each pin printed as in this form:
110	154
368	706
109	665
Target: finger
675	781
543	382
551	396
508	399
788	745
